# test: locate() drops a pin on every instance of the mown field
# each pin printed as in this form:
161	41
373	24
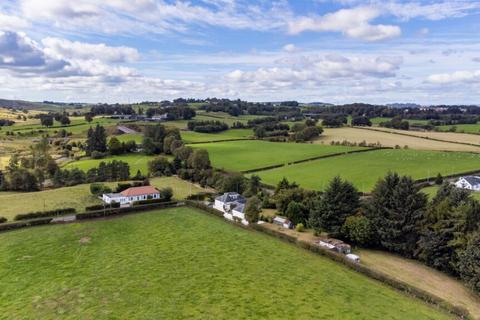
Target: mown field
78	197
137	161
364	169
467	128
182	264
247	155
390	138
195	137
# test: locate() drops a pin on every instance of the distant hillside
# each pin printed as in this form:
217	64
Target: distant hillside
21	104
403	105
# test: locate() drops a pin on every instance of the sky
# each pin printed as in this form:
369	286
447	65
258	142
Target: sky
337	51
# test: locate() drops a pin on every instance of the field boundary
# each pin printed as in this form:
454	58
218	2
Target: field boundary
223	140
313	158
401	286
425	138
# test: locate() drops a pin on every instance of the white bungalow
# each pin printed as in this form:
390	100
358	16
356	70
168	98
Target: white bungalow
131	195
232	205
469	182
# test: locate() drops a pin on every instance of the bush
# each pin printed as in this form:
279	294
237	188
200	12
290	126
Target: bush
43	214
99	188
299	227
97	155
3	219
166	194
149	201
101	206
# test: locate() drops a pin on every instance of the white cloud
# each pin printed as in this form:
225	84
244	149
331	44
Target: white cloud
354	23
290	48
455	77
11	22
66	49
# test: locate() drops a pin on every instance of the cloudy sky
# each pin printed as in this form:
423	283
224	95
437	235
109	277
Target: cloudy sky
339	51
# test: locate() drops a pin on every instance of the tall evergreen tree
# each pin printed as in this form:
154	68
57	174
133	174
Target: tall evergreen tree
469	262
395	210
330	210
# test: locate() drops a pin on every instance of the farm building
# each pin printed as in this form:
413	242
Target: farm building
284	222
131	195
232	205
469	182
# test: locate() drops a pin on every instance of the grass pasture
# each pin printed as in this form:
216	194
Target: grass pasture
390	138
182	264
232	134
364	169
467	128
253	154
137	161
78	197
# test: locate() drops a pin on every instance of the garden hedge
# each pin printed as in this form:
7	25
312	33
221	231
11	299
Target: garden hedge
23	224
125	210
101	206
43	214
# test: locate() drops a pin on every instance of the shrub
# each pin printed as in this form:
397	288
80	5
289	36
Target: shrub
166	194
99	188
299	227
97	155
3	219
43	214
102	206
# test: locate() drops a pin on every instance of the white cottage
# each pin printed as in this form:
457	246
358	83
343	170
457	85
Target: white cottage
232	205
131	195
469	182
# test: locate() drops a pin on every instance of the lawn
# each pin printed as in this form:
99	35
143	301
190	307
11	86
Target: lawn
195	137
182	264
78	197
247	155
137	161
137	137
364	169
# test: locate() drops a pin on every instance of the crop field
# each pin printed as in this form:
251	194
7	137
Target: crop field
136	161
388	139
364	169
194	137
446	136
78	197
253	154
182	264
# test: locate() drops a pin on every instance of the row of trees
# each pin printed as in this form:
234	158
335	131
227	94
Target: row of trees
207	126
443	233
305	131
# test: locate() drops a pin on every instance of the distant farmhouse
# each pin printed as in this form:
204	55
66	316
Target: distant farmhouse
232	205
130	195
469	182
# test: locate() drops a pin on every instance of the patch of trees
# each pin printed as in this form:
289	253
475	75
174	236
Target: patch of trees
106	171
29	172
396	123
6	122
159	139
443	233
361	121
96	140
111	109
334	120
115	147
305	131
207	126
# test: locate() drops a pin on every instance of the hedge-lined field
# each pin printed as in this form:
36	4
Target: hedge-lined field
78	197
364	169
178	264
191	136
247	155
136	161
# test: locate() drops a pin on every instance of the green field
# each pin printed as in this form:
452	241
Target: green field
78	197
182	264
467	128
364	169
247	155
137	161
191	136
137	137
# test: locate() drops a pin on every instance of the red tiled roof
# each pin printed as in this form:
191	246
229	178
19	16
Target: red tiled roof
138	191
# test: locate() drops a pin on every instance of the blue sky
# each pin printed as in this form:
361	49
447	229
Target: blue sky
309	50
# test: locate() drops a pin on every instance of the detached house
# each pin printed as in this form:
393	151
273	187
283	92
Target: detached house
232	205
469	182
130	195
